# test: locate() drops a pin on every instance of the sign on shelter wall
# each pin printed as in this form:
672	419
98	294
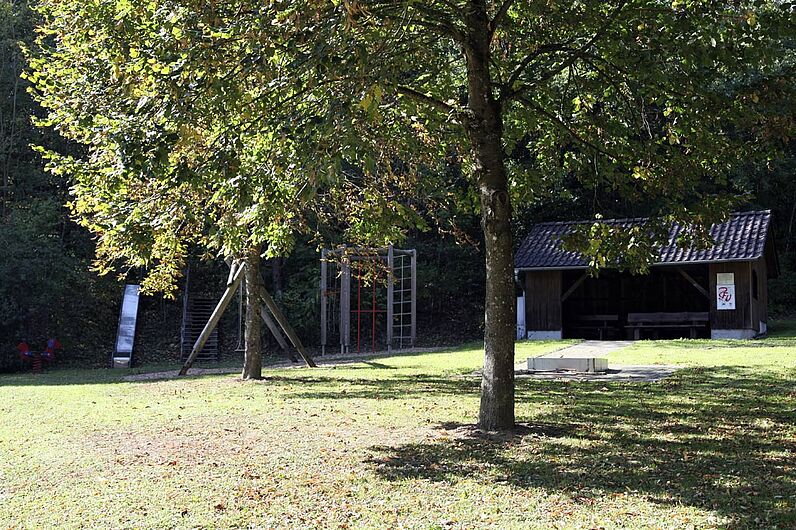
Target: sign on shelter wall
725	291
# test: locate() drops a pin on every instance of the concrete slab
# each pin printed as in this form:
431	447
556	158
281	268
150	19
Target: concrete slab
589	348
627	373
543	335
574	364
739	334
121	362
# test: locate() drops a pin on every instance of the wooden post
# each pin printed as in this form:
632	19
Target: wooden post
236	275
286	327
324	308
240	347
269	322
414	298
232	271
390	280
345	304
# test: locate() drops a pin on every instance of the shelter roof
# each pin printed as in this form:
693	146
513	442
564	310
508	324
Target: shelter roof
743	237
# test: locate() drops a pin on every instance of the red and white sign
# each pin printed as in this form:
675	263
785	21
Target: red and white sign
725	291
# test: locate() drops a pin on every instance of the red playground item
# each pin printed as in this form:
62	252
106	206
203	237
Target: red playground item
24	350
37	359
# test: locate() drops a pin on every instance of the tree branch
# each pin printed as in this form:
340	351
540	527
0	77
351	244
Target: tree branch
560	123
421	14
510	93
611	81
499	16
425	98
526	61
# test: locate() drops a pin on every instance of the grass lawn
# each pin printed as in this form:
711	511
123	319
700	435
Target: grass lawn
386	444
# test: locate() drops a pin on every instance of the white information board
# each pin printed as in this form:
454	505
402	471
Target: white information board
126	336
725	291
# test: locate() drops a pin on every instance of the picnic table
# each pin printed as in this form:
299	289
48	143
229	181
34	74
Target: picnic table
693	321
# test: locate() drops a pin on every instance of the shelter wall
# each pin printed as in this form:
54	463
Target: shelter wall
759	302
613	292
741	317
666	289
543	301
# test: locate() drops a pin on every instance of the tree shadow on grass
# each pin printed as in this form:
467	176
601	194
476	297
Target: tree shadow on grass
72	375
105	376
393	387
721	440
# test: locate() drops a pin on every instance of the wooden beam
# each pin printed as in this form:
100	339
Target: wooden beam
233	268
269	322
574	286
324	306
367	252
693	282
413	303
285	325
345	305
226	298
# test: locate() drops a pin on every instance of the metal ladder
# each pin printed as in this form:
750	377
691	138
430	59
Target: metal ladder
196	311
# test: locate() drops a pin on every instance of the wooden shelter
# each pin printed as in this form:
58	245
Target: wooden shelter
720	292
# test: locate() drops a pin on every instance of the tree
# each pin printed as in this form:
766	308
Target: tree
42	257
356	104
631	96
164	168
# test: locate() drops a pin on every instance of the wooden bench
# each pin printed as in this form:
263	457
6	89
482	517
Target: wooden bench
599	323
683	320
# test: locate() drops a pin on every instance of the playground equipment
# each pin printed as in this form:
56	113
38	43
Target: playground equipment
196	311
385	276
269	312
37	359
125	338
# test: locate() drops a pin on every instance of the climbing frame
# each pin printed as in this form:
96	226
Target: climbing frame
382	286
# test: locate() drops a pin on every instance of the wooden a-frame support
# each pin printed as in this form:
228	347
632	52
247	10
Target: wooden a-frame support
271	325
265	296
233	284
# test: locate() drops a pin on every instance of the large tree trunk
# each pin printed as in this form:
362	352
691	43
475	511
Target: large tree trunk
485	131
253	356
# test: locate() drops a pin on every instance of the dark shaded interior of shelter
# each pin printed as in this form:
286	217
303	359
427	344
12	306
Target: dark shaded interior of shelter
598	307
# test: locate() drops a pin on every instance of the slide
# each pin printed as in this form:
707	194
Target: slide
123	355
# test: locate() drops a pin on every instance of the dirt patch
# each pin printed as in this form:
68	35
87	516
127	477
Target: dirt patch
471	431
173	446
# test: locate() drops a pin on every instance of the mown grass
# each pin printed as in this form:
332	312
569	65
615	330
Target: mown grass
388	444
775	351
